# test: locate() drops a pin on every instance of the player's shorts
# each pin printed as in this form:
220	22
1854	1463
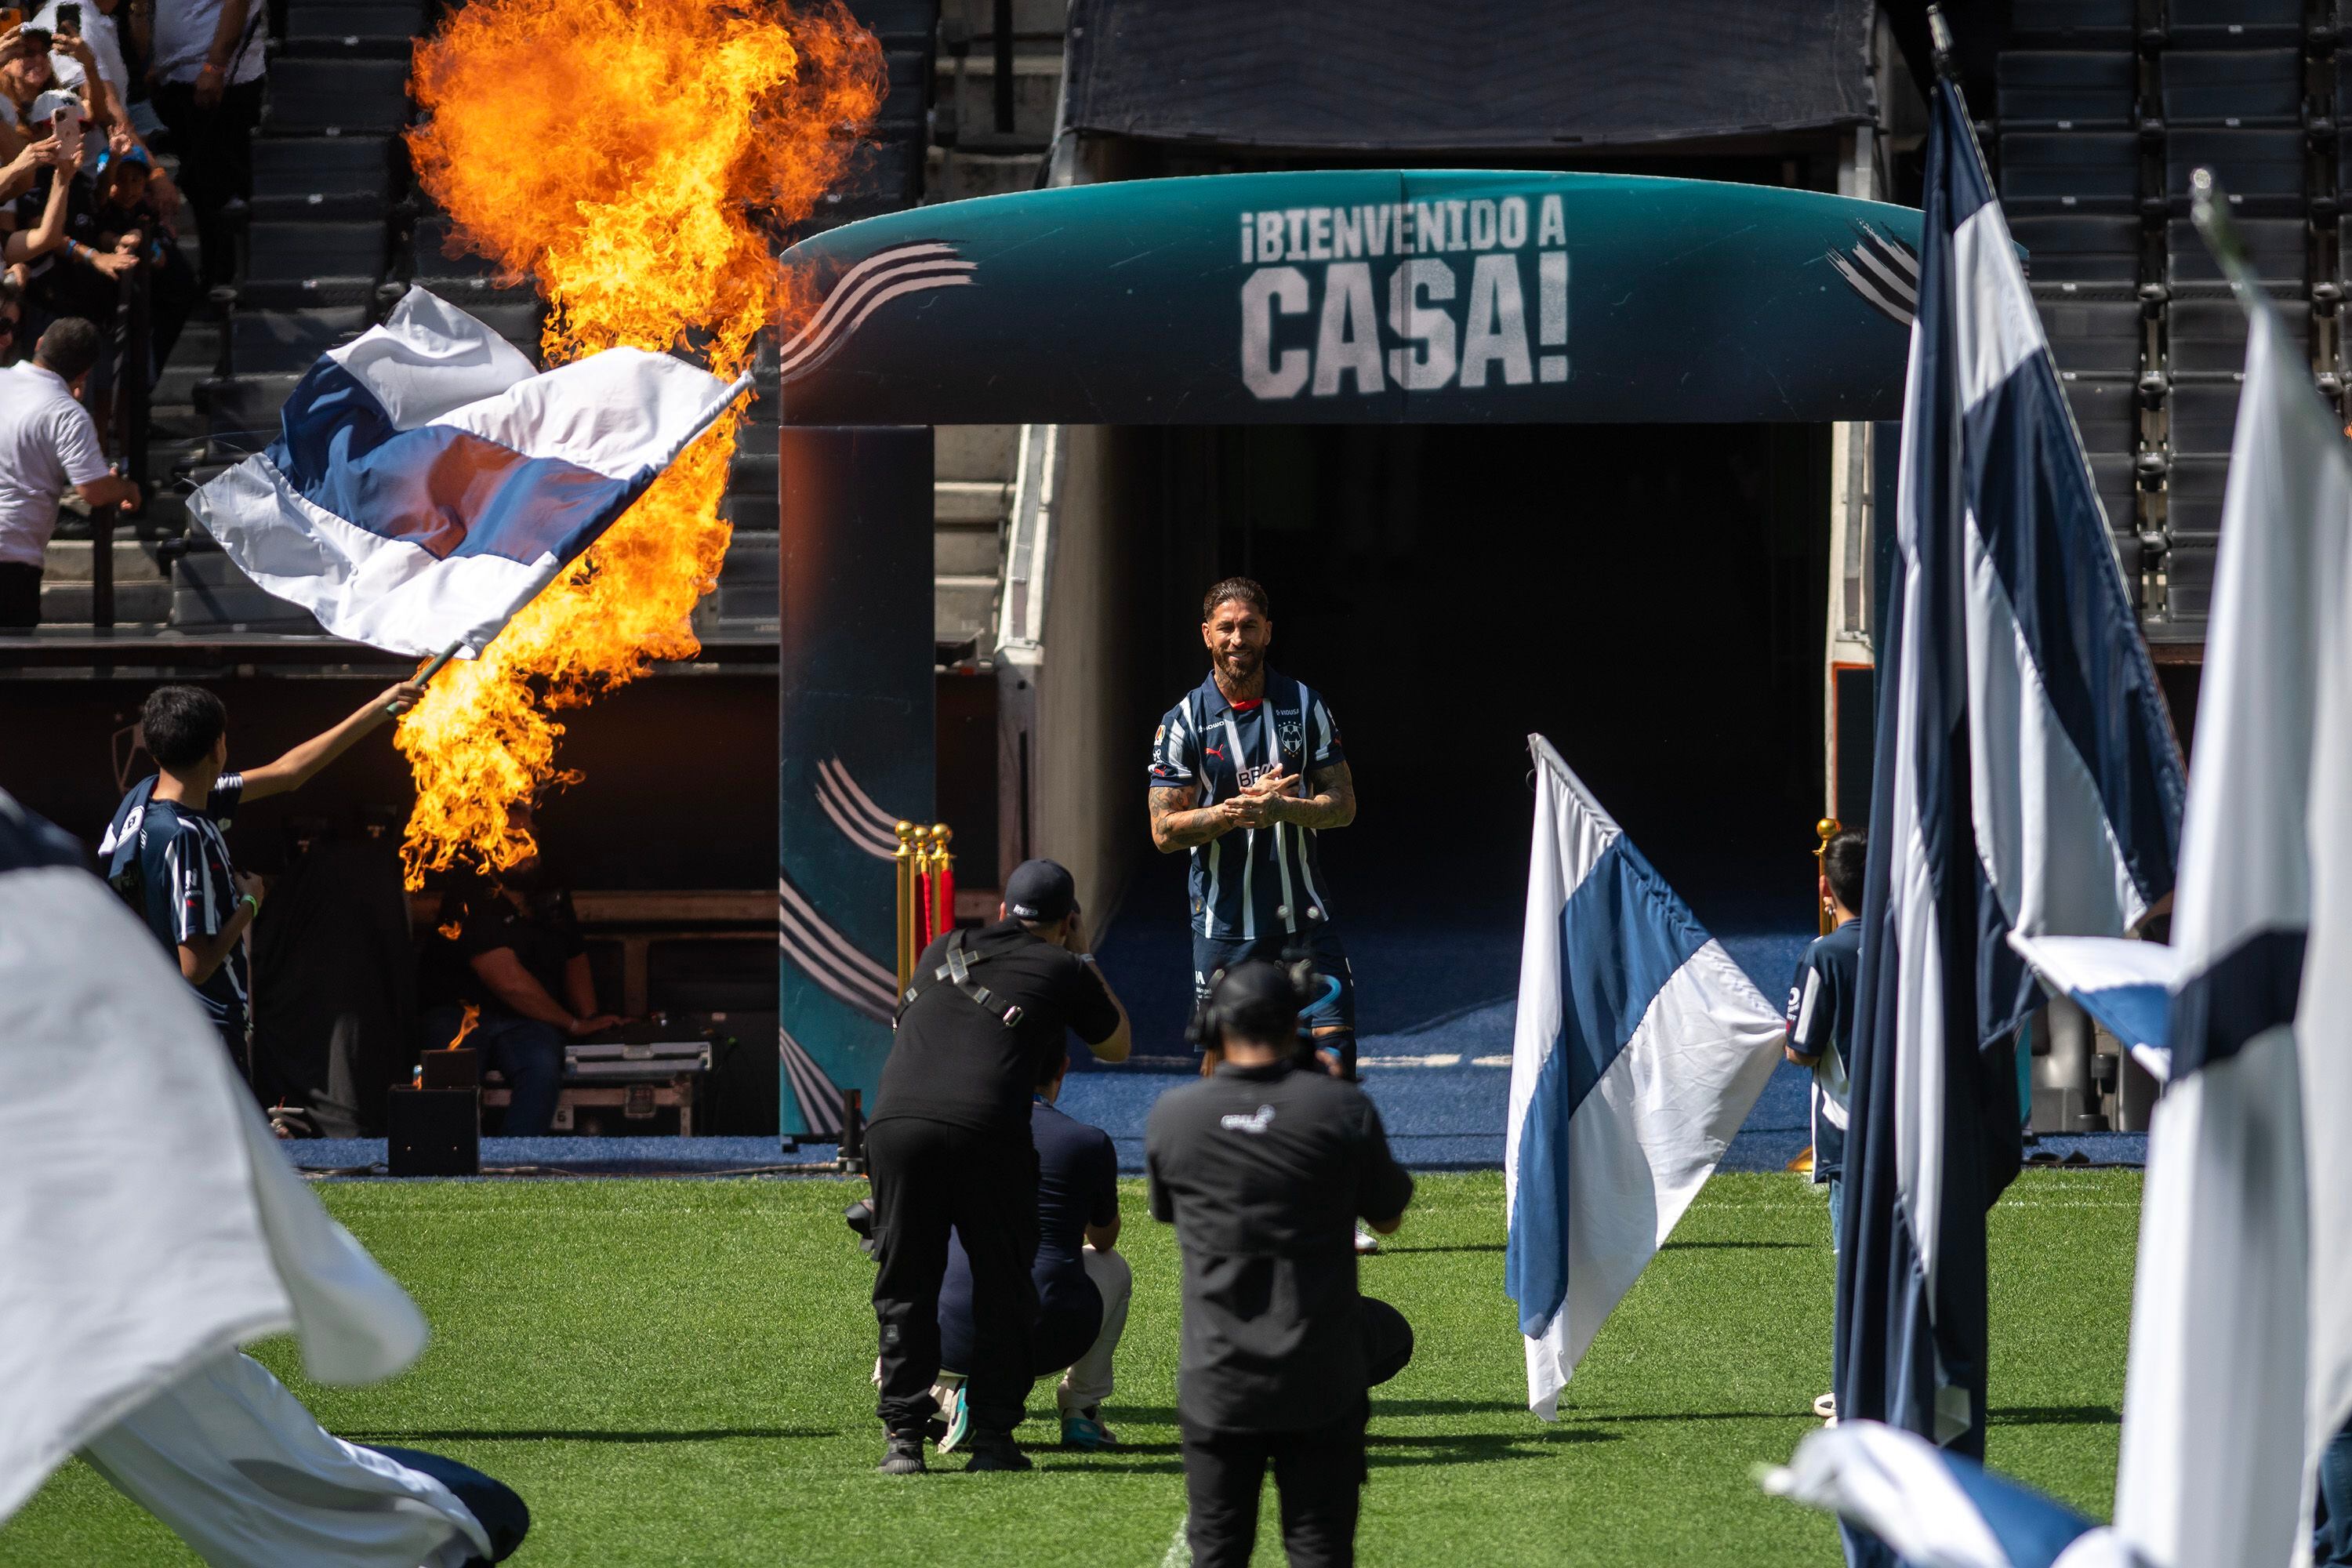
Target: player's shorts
1336	1004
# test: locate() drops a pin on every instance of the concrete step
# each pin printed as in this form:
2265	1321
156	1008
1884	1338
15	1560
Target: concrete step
952	175
962	552
135	560
974	451
970	501
963	608
135	604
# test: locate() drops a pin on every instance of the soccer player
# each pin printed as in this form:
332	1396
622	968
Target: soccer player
165	853
1820	1023
1246	771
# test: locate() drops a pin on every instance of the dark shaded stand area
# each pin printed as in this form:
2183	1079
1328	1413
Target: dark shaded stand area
679	793
1651	597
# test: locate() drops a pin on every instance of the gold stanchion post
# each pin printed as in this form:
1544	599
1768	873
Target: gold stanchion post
1827	828
905	865
943	879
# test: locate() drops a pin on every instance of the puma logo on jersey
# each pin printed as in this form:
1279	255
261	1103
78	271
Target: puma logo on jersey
1257	1121
1214	751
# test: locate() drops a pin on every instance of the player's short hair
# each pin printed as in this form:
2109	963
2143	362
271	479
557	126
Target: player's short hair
69	347
1842	859
1245	589
182	724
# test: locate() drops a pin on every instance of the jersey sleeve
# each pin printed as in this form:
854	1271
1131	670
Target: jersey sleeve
228	790
1382	1187
1812	1010
1324	750
1172	756
196	912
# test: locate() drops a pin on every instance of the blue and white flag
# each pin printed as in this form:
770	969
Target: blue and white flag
426	482
2026	779
2238	1370
1640	1048
2126	986
1934	1509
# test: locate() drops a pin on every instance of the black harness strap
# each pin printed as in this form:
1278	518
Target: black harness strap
957	972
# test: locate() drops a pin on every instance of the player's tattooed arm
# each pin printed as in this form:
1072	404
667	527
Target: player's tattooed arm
1175	825
1331	802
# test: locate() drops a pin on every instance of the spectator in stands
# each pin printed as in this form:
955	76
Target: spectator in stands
1820	1023
38	62
12	318
165	853
206	77
46	443
98	62
512	948
67	271
1083	1284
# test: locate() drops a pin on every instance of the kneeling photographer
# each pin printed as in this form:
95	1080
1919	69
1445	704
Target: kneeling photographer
1265	1168
950	1149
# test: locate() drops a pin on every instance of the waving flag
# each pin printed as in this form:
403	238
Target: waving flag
1641	1048
1934	1508
2233	1231
426	482
2026	781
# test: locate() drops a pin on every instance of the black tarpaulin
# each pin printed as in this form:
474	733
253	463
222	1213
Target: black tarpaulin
1463	74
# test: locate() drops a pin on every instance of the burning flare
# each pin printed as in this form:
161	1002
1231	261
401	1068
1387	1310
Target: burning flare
465	1022
634	157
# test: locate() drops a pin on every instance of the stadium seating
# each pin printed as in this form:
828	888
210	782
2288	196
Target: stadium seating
2103	110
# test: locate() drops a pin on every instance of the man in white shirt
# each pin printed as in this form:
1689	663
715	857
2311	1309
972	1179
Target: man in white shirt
207	88
46	443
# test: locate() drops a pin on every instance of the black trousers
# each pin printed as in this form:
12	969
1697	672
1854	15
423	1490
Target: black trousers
1317	1472
931	1178
20	595
216	148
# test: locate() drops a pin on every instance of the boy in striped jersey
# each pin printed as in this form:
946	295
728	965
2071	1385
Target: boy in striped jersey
165	851
1821	1022
1246	771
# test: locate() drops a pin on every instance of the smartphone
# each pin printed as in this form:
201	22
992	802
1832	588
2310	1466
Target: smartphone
11	16
69	17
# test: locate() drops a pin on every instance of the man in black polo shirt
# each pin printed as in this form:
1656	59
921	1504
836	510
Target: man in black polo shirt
949	1149
1265	1169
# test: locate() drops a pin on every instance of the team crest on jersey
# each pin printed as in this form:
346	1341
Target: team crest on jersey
1287	731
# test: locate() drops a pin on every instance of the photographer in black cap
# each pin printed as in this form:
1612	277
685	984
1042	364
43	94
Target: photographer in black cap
949	1149
1265	1169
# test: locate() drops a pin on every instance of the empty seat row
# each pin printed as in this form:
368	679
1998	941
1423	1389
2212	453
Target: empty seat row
2192	24
2093	171
2099	253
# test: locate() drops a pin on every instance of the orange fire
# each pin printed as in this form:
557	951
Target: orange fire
633	156
465	1022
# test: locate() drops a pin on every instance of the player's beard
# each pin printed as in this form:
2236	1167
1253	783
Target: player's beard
1240	668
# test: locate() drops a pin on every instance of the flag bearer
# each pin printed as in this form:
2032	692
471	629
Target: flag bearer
1821	1022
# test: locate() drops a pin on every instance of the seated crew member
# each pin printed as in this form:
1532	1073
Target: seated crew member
514	952
165	850
948	1148
1083	1284
1265	1168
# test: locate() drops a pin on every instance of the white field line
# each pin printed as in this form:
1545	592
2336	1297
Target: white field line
1444	1059
1180	1551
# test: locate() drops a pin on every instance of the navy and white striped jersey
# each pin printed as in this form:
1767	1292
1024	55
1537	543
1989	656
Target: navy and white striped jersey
1258	882
1820	1026
172	863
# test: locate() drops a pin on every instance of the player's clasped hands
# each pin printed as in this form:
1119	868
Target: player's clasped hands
1255	806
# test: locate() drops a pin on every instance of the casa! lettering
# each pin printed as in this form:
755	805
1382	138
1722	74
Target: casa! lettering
1351	302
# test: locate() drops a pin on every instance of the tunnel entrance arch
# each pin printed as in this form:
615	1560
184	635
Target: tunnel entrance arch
1359	296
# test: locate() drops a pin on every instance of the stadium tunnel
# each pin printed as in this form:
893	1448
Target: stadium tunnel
1649	597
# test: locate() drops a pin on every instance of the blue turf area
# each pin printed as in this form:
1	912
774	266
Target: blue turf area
1441	1081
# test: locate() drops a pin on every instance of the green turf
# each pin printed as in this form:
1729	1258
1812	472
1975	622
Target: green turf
676	1373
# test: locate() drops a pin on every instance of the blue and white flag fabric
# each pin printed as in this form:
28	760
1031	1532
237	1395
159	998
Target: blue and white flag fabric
2026	779
136	1258
2239	1371
2126	986
428	482
1934	1509
1640	1048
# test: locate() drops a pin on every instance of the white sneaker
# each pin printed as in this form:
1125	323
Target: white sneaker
1366	1242
1825	1407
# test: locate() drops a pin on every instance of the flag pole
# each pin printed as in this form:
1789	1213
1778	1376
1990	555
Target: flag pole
428	672
2209	207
